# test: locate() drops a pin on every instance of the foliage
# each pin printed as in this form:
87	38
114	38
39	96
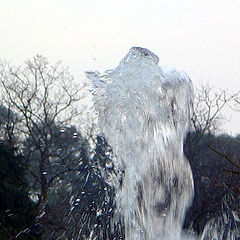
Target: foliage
44	98
214	176
16	209
8	121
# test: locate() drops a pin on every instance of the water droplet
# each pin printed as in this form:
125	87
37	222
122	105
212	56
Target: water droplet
99	212
109	164
75	135
42	214
109	178
107	153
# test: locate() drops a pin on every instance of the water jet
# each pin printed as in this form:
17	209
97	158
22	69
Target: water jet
144	112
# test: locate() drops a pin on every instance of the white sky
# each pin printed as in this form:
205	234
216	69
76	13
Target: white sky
201	37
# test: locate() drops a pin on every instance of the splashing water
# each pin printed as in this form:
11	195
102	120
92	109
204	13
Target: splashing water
226	223
144	112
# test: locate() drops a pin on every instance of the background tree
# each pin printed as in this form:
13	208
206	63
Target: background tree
8	121
92	199
207	117
212	181
45	98
16	209
67	154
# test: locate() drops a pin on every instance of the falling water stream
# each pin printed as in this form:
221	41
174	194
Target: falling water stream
144	112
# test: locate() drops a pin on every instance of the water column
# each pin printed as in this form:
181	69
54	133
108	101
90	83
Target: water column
144	112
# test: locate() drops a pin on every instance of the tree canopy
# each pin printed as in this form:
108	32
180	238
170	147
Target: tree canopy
16	209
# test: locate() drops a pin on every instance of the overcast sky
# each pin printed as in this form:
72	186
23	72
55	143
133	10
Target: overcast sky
201	37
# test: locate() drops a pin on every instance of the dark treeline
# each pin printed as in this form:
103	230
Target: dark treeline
216	171
53	177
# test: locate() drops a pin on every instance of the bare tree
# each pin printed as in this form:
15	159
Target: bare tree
207	117
43	96
223	151
210	170
208	108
